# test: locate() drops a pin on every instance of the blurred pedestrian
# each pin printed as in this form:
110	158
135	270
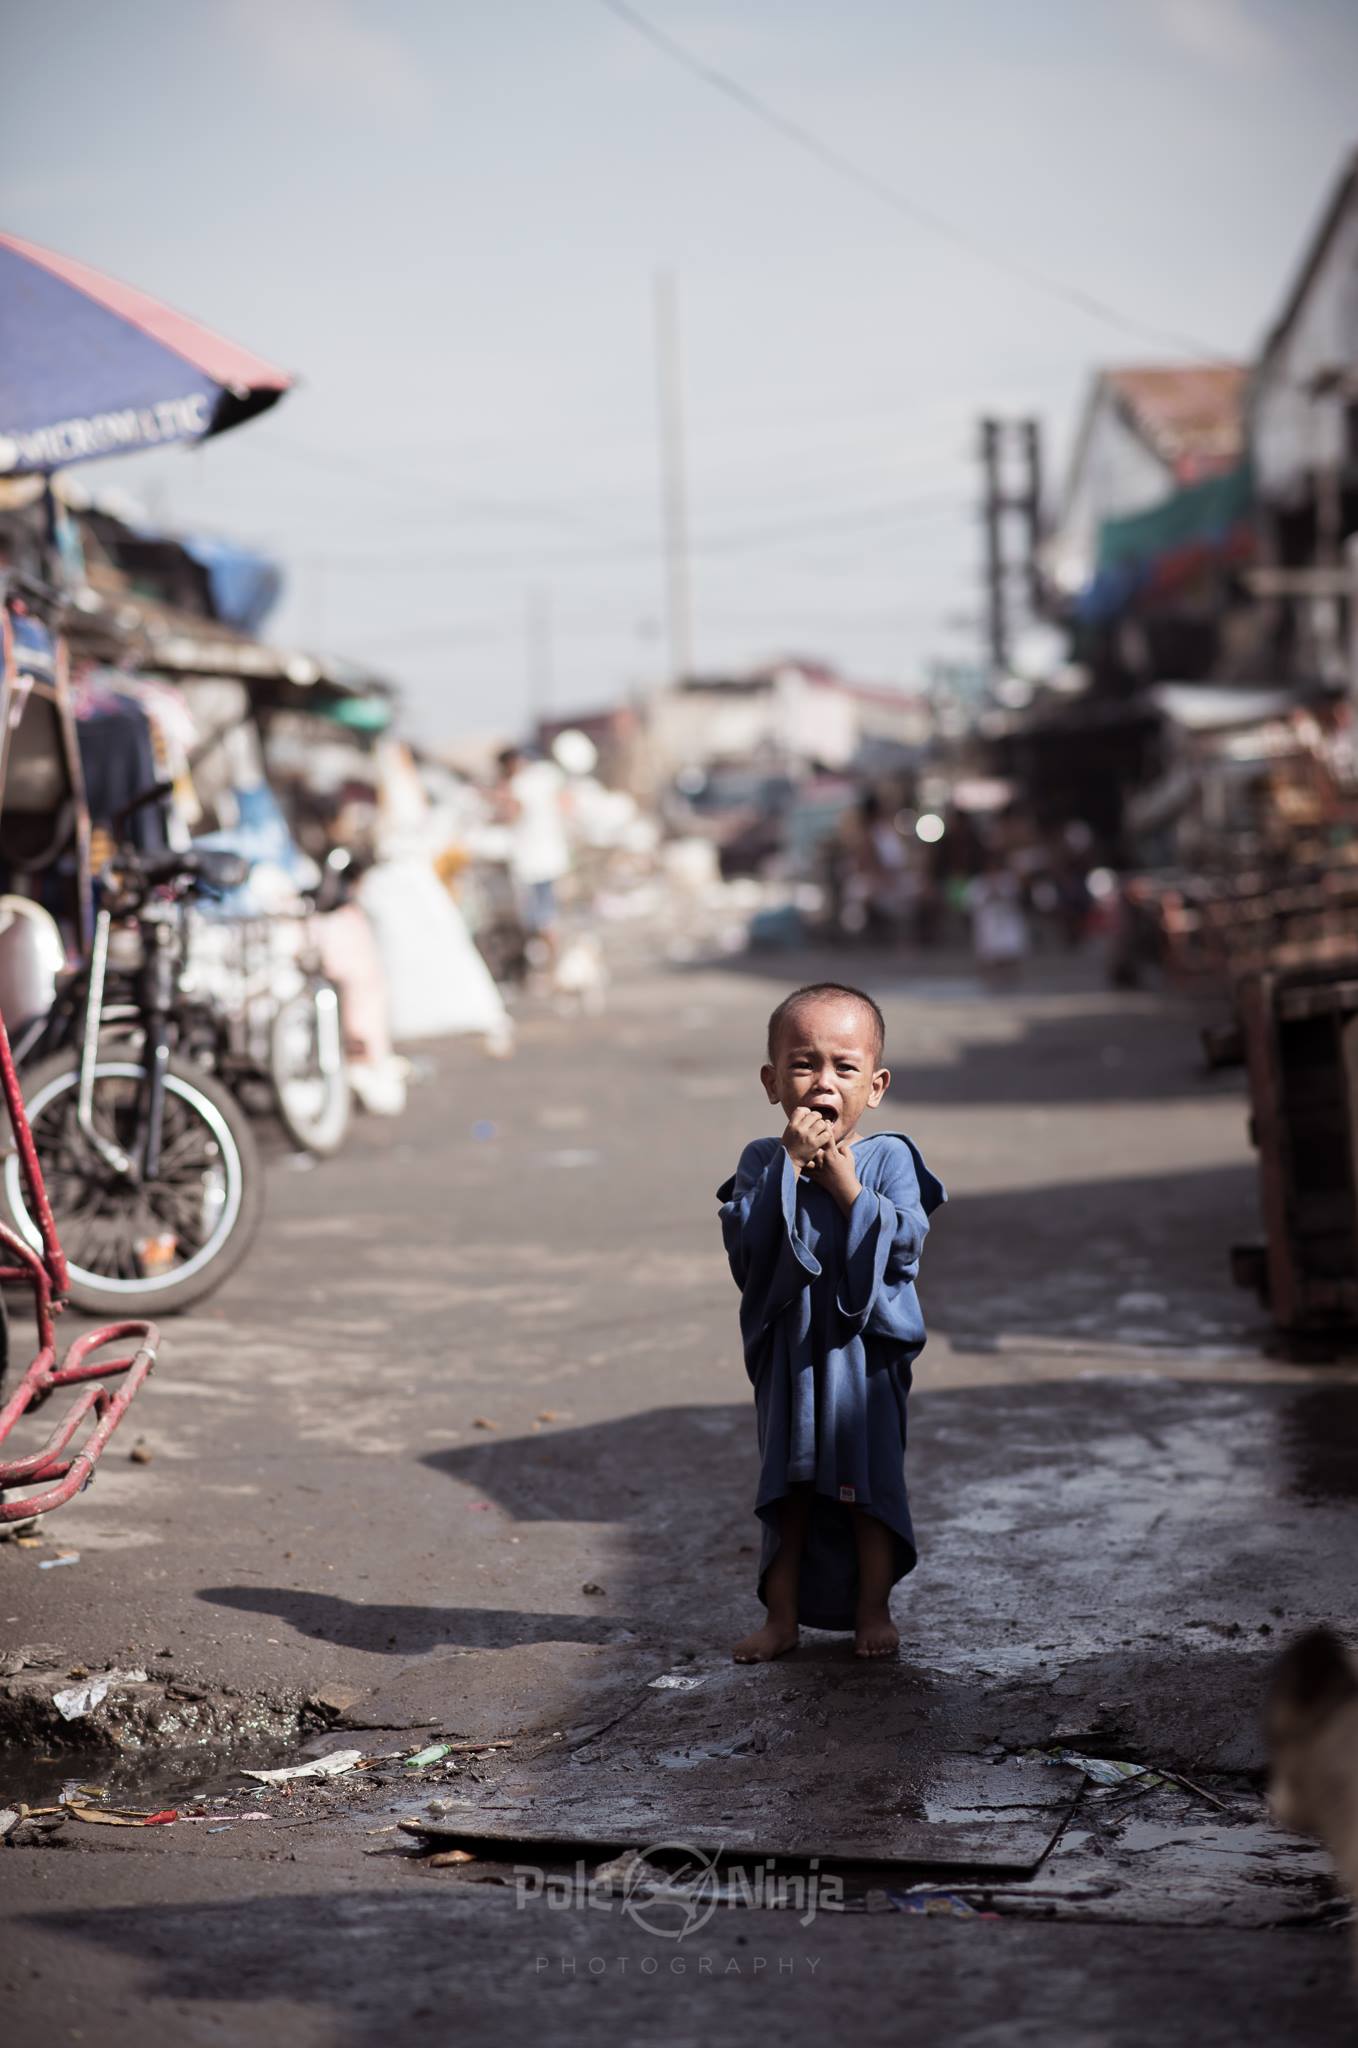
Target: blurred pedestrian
999	929
530	796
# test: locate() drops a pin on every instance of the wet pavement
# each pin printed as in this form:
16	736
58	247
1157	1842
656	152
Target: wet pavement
466	1454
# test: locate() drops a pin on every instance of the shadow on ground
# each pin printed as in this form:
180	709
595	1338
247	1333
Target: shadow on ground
1122	1557
436	1959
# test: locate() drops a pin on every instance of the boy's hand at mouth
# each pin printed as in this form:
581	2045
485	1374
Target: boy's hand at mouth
834	1170
807	1135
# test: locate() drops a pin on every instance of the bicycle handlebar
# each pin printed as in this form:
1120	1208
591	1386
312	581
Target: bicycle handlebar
208	867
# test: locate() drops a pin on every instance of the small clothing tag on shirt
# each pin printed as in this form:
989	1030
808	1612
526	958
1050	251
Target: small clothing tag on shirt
847	1493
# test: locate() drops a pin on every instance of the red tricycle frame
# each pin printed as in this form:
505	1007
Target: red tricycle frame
105	1387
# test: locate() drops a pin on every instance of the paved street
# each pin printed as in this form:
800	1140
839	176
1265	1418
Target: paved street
466	1451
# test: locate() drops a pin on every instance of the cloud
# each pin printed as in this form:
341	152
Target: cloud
1228	33
328	47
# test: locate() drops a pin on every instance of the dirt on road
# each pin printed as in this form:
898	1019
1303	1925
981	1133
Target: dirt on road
463	1461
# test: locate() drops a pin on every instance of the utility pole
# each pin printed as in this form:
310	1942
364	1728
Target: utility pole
673	493
996	617
998	503
1032	508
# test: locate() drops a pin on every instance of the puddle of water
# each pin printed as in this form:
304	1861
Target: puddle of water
163	1778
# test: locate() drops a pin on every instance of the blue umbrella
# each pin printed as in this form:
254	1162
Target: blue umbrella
91	367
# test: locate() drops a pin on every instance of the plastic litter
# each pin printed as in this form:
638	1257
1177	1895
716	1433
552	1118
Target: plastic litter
1109	1770
323	1767
432	1755
8	1819
73	1702
936	1905
49	1564
676	1681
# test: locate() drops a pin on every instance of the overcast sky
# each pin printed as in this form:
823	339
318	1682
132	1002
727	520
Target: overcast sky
446	217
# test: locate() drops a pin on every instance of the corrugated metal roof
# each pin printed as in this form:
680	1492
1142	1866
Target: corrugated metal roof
1191	414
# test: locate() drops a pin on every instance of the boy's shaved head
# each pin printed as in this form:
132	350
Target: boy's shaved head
820	991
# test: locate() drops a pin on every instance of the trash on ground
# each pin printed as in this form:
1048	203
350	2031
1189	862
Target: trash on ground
8	1819
593	1587
676	1681
323	1767
49	1564
73	1702
937	1905
1109	1770
431	1755
447	1859
1198	1791
122	1816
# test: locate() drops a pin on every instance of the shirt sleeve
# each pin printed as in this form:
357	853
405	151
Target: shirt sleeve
887	1227
769	1260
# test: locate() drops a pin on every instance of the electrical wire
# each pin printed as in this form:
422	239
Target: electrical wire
834	160
869	520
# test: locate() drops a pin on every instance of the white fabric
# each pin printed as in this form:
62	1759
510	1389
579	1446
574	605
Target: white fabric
437	982
538	851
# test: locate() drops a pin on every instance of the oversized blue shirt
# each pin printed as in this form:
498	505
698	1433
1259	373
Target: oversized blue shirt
831	1325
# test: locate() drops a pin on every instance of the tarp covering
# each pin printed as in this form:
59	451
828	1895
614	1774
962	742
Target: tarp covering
1151	553
245	583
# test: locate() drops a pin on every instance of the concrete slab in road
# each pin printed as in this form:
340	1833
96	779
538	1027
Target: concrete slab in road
846	1762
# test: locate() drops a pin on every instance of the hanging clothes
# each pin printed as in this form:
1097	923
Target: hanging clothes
117	759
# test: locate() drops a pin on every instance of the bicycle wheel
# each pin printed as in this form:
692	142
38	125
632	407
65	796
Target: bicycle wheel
155	1246
310	1078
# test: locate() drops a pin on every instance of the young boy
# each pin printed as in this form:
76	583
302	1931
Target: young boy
823	1228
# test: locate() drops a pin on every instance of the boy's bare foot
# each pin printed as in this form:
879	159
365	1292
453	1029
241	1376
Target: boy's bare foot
876	1635
773	1640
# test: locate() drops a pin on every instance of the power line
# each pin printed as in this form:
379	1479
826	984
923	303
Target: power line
870	519
457	634
833	159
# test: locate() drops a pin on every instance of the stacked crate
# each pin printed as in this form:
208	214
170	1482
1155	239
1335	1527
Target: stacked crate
1300	1029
